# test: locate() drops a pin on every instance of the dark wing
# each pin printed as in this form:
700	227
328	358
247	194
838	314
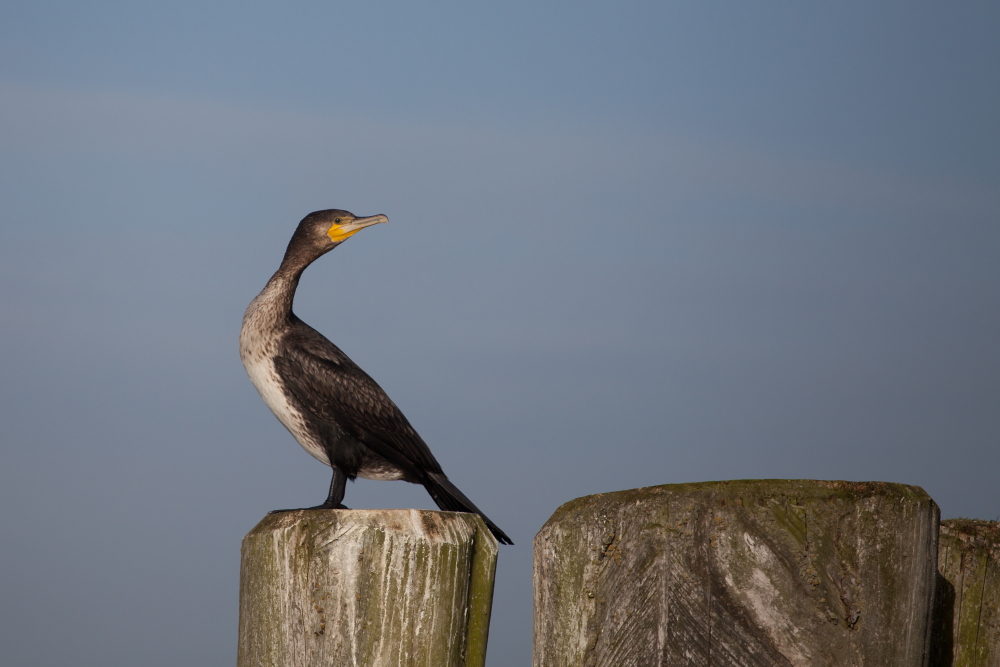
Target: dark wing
335	389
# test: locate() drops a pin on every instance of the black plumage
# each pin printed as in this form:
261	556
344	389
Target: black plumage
336	411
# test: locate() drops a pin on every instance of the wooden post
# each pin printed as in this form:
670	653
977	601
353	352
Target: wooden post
372	588
755	573
967	624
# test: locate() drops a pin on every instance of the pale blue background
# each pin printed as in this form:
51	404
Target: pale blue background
632	243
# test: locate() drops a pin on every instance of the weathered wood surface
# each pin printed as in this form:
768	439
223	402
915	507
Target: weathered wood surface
967	628
378	588
738	574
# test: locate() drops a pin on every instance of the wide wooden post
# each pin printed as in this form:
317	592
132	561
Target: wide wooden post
372	588
967	627
787	573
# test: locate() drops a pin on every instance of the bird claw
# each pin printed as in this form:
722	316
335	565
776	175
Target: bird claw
324	506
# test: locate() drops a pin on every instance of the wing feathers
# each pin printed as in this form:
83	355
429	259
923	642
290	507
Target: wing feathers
334	389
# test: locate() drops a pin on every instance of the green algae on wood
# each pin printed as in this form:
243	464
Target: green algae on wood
482	574
967	631
742	573
382	588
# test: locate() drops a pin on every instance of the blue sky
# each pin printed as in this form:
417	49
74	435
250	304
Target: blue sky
630	244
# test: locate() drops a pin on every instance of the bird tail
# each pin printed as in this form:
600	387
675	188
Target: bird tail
450	499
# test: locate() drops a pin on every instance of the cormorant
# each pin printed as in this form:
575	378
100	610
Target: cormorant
332	407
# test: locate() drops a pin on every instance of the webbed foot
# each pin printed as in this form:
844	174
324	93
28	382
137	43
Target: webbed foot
324	506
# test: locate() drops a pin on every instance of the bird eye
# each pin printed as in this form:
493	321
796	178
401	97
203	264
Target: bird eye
337	220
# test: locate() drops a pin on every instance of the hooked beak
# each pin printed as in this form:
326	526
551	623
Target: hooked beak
340	232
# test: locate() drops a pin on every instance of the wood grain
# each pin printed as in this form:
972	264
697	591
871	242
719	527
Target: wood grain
967	631
743	574
378	588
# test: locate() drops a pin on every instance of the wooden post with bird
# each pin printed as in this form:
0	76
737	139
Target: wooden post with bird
371	588
754	573
325	585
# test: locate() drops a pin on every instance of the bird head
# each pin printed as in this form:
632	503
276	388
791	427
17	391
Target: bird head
322	231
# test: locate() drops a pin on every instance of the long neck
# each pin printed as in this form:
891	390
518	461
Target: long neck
274	303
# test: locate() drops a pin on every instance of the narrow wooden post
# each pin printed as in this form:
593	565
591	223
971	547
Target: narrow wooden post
967	627
789	573
372	588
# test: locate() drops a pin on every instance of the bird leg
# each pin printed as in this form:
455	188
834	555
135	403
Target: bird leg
338	487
